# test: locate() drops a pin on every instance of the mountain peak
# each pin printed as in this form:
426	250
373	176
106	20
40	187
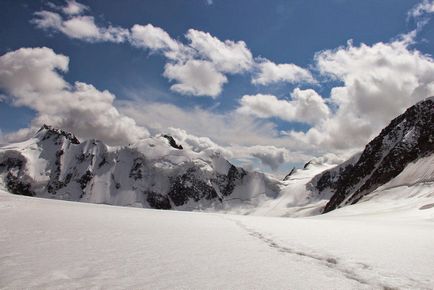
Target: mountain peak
407	138
47	131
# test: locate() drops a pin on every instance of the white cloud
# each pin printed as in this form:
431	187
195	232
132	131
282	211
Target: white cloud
79	27
28	72
198	144
270	156
228	56
48	20
195	77
158	40
306	106
205	58
225	129
30	77
237	136
422	8
379	83
269	72
73	7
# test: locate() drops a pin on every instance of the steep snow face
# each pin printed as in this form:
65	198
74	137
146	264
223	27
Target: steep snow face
156	172
407	138
410	194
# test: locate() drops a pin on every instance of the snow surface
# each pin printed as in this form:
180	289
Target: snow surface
53	244
294	200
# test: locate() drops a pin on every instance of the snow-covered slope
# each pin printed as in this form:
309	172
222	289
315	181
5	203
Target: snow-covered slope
156	173
406	139
294	199
52	244
411	192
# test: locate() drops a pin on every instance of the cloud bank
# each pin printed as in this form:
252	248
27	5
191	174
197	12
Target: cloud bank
31	77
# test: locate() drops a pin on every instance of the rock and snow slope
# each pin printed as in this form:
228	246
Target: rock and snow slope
52	244
406	139
156	172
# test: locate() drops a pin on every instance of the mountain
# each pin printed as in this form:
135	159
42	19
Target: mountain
156	173
406	140
159	173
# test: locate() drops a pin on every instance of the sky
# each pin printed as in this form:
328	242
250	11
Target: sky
269	84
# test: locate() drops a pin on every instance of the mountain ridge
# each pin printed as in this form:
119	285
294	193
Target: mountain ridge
156	173
407	138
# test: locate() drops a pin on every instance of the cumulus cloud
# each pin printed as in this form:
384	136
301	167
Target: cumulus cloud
73	7
422	8
269	155
195	77
379	82
225	129
238	136
269	72
330	158
79	27
202	52
158	40
306	106
31	77
198	144
228	56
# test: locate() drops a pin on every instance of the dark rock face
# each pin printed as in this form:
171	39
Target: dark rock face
186	186
289	174
55	184
85	178
190	186
172	142
228	182
407	138
307	164
15	179
16	186
136	169
158	201
50	132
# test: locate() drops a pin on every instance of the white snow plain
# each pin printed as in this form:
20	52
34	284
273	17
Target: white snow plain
53	244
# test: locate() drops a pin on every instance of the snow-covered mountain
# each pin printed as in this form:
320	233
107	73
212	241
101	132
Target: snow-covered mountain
156	172
159	173
406	141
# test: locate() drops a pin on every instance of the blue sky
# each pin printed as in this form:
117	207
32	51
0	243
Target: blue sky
284	32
